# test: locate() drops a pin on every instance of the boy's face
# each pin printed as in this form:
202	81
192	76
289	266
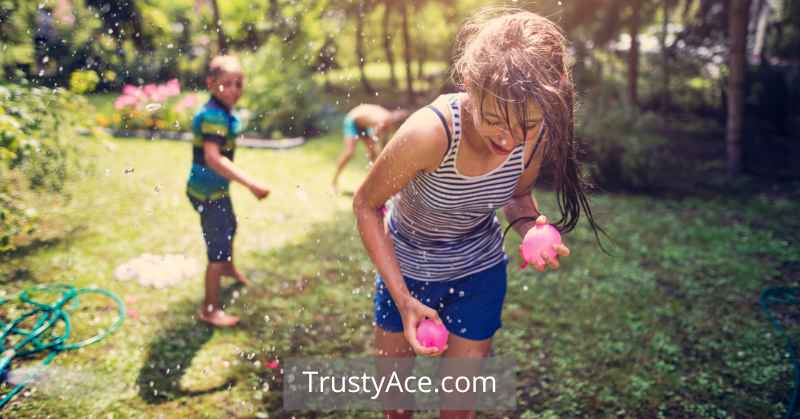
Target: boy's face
226	87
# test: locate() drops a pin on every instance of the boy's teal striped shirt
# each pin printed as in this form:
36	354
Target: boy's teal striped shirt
213	122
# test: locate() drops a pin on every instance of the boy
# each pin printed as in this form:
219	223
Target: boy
215	129
367	123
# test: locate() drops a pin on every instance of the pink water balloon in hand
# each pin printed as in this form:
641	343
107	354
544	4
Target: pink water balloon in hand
539	240
431	334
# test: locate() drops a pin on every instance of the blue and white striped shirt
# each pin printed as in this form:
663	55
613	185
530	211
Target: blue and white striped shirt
443	223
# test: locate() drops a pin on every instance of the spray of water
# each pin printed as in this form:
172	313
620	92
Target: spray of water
60	381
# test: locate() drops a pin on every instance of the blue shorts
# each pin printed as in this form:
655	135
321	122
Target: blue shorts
219	227
352	130
470	307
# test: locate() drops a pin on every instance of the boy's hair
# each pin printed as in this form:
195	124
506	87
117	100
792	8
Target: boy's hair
222	64
517	57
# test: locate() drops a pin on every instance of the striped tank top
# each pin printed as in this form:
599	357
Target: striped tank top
443	223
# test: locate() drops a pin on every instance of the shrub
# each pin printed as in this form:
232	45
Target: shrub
83	81
280	91
38	132
626	149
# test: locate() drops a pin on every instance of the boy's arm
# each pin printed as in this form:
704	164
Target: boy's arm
225	168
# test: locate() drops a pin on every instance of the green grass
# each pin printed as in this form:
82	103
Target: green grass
667	325
103	102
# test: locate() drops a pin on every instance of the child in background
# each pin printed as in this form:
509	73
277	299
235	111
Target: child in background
450	166
369	124
215	129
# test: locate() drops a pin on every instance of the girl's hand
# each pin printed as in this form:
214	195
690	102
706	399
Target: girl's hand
551	261
413	312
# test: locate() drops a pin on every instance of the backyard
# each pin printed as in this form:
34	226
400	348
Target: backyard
679	118
666	324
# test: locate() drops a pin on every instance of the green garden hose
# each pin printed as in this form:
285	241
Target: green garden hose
41	339
784	296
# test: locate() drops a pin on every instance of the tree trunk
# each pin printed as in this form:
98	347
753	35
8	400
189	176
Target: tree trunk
633	55
761	16
407	53
665	93
222	42
737	35
421	57
362	59
387	42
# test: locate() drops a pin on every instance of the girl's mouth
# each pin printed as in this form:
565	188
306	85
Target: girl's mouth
498	149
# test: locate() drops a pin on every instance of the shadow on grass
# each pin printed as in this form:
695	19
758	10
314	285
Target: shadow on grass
301	303
15	267
171	353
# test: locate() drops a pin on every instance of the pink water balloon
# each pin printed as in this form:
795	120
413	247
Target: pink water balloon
539	240
431	334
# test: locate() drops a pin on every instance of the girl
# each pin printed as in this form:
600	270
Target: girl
452	164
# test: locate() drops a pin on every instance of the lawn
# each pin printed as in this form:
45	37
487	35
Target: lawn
667	324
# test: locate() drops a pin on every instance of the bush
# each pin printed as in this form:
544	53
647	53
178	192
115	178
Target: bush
83	81
38	131
281	93
626	149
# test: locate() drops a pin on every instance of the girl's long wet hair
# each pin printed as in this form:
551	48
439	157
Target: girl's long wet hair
517	58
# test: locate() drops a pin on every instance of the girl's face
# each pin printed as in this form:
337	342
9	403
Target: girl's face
501	135
227	87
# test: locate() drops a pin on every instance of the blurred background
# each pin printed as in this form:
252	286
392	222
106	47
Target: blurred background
661	82
688	114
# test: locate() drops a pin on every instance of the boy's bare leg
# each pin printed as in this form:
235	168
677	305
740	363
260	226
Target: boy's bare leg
344	158
230	270
211	311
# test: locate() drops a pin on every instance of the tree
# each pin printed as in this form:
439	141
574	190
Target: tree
738	15
407	53
123	19
633	53
361	55
665	51
222	43
387	41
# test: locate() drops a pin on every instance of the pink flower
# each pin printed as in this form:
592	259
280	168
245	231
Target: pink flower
131	90
187	102
124	101
172	88
150	90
